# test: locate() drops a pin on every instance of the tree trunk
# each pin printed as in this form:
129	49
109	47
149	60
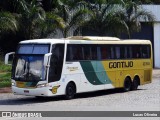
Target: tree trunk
129	34
65	33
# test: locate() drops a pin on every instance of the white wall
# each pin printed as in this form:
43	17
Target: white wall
155	9
157	44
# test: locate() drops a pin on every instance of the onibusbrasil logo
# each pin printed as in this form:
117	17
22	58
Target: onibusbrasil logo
21	114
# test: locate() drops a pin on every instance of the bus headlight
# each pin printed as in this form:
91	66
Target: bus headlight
13	84
42	85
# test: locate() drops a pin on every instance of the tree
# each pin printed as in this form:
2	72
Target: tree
72	15
116	17
133	14
105	18
52	22
8	22
8	26
30	16
7	5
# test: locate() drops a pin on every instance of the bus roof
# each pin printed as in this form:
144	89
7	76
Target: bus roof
43	41
96	38
86	40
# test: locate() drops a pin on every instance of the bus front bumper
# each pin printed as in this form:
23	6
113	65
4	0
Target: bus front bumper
44	91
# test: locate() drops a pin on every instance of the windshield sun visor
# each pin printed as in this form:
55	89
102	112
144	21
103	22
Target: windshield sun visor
33	49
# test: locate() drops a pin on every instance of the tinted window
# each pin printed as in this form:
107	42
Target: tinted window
74	52
93	52
105	52
146	52
33	49
136	51
81	52
117	50
56	62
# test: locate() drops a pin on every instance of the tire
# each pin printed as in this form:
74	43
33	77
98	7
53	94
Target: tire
135	84
127	84
70	91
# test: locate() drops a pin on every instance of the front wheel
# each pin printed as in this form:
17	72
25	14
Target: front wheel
70	91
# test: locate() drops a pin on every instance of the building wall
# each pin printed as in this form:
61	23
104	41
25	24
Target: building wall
155	9
157	44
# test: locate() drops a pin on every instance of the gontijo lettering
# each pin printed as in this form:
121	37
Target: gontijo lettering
121	64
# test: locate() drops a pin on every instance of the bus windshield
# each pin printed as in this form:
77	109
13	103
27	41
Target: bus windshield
28	62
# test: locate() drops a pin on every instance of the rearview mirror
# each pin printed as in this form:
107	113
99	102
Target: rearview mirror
7	57
46	58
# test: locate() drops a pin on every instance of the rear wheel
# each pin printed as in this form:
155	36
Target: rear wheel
70	91
135	84
127	84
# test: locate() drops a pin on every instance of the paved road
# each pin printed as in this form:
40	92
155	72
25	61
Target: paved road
146	98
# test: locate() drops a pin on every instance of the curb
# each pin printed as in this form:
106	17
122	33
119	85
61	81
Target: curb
5	90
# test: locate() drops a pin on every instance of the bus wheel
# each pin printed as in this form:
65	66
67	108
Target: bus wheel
127	84
70	91
135	84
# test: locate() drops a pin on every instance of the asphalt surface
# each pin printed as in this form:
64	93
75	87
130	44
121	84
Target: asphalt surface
146	98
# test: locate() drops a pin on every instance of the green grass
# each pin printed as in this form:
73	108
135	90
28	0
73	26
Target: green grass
5	80
4	68
5	75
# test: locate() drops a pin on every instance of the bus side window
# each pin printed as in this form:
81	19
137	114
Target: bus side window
93	52
136	51
87	52
108	52
126	52
123	52
75	52
80	52
149	51
99	57
146	51
56	62
69	56
117	50
104	52
130	52
112	52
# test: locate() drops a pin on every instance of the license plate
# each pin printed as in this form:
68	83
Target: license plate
26	91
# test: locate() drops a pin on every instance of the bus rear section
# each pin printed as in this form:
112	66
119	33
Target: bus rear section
130	65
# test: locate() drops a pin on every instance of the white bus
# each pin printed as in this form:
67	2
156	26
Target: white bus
51	67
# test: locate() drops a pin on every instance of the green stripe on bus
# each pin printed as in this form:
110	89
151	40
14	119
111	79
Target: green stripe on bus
101	73
90	73
95	72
